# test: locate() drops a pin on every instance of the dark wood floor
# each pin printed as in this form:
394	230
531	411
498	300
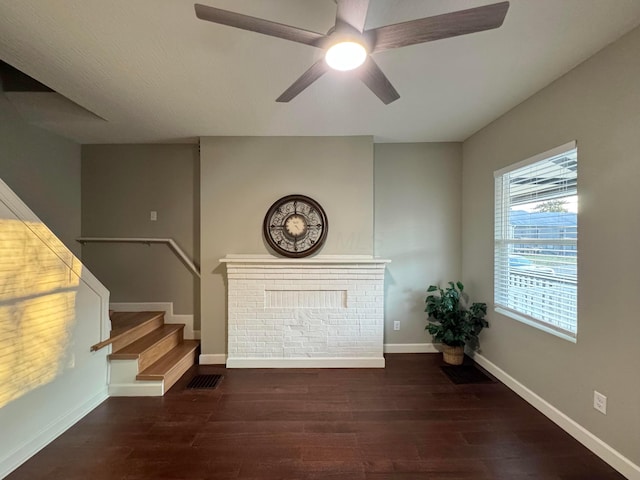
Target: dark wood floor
405	422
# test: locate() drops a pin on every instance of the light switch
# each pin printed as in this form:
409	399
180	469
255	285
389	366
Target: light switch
154	216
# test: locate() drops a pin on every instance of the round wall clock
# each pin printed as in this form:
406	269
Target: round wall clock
295	226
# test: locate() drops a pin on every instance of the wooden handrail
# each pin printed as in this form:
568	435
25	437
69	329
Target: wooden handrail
169	241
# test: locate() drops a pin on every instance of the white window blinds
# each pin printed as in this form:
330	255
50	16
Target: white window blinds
536	233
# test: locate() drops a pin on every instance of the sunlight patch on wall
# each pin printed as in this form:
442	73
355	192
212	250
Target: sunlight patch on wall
37	309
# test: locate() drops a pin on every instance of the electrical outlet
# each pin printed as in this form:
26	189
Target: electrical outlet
396	325
153	216
600	402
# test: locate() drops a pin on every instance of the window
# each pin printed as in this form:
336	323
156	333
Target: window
536	247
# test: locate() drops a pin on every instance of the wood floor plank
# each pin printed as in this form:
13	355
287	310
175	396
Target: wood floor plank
404	422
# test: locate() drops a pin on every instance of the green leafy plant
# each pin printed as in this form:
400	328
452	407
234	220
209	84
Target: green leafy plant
450	321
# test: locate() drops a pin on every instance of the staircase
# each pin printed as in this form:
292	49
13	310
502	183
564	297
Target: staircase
148	356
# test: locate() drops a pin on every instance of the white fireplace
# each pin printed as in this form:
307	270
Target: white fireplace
324	311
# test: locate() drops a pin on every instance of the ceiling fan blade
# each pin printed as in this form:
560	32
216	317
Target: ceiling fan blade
259	25
307	78
372	77
440	26
352	13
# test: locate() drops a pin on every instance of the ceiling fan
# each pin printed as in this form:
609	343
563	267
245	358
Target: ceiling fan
349	47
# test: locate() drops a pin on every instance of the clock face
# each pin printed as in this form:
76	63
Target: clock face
295	226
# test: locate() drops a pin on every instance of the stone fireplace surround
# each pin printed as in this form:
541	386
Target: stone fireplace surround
323	311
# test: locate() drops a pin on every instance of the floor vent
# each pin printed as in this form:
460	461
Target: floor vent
204	381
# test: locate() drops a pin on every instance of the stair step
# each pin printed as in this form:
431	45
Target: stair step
152	346
127	327
172	365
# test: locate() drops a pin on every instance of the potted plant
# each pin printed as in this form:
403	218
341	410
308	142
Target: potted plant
451	322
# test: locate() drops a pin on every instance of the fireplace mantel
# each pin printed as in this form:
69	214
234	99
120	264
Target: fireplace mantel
317	260
323	311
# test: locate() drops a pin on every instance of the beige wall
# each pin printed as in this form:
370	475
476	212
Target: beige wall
597	104
242	176
121	185
43	169
46	385
417	226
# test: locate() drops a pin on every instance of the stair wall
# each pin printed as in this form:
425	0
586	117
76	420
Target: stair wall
51	310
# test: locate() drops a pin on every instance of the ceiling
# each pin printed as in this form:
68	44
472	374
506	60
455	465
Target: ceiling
150	71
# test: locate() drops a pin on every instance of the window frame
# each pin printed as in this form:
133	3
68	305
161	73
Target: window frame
503	204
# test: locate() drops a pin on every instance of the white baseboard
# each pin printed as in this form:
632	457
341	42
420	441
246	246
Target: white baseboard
212	359
169	316
48	434
137	389
332	362
411	348
607	453
221	358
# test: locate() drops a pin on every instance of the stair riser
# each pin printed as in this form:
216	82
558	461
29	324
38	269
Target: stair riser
148	356
137	389
181	367
159	349
123	371
138	333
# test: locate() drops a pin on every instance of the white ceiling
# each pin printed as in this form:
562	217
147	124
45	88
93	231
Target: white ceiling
155	73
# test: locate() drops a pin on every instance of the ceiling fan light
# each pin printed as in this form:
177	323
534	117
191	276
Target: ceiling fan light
345	56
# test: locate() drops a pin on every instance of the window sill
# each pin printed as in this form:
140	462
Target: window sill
568	336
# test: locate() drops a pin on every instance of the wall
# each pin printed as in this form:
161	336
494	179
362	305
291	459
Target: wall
417	226
597	104
242	176
121	185
51	308
44	170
